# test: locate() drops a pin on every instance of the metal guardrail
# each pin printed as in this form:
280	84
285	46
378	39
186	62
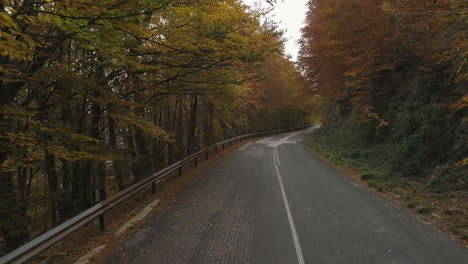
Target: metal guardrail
60	232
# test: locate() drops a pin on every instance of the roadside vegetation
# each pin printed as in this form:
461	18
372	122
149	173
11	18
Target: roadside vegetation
95	95
392	77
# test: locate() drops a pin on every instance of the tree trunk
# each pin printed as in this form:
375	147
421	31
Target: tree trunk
64	203
143	162
96	113
191	138
13	226
119	177
179	129
53	186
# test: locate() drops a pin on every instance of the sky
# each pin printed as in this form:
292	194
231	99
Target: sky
290	14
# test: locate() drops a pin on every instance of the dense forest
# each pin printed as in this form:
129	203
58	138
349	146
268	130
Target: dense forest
94	95
392	75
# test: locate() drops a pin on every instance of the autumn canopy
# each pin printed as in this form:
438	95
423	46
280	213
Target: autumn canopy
96	94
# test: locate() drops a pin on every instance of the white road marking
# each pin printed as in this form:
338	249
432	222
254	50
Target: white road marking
297	245
144	212
276	156
245	146
284	140
137	217
85	259
272	142
265	140
354	184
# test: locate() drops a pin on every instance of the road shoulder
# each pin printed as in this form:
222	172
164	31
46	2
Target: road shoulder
447	214
88	245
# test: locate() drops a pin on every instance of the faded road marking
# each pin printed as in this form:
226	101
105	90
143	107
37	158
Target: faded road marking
354	184
137	217
297	245
276	156
265	140
245	146
85	259
275	142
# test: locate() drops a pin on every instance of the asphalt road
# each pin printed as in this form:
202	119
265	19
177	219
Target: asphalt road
273	201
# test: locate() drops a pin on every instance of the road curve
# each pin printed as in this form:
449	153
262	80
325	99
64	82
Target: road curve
273	201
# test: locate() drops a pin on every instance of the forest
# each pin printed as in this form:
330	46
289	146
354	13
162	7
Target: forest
95	95
392	76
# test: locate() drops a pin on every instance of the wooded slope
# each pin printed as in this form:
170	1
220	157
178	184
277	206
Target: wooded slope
393	78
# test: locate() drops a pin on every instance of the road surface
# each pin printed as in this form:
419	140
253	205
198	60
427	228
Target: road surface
273	201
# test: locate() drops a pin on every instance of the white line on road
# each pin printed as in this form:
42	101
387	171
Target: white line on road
297	245
276	156
137	217
245	146
264	140
284	140
85	259
144	212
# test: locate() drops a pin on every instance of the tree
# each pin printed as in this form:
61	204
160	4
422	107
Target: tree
393	75
97	94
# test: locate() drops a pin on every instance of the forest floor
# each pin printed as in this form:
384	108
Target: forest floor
89	245
447	211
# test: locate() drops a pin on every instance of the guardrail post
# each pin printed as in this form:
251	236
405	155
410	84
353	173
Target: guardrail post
153	188
207	154
223	146
180	170
195	162
102	224
216	149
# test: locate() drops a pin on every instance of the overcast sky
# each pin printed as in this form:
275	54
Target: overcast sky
290	15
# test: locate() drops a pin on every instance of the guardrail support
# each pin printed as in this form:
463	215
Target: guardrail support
207	154
216	149
223	146
180	170
102	224
153	188
195	162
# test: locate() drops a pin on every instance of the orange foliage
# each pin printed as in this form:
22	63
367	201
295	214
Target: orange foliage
348	43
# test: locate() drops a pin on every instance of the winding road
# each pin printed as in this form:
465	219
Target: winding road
273	201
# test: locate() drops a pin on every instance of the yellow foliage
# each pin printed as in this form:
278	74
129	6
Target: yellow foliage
461	163
461	104
388	7
149	128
